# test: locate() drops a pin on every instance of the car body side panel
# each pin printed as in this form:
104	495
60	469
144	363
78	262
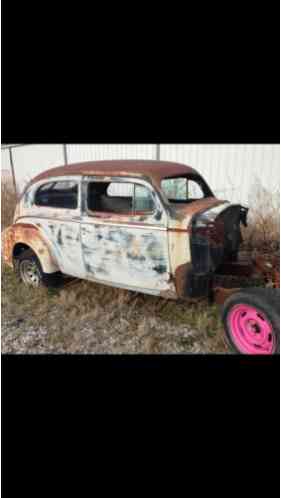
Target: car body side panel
128	250
132	255
64	238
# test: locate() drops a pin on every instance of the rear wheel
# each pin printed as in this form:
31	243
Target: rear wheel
29	270
251	320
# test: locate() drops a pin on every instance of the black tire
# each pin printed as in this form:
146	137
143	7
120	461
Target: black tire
265	300
28	259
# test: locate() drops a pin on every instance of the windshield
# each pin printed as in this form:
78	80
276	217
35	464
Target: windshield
185	189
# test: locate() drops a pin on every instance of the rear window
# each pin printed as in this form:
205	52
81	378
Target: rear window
62	194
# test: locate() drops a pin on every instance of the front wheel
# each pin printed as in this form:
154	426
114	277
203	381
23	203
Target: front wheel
251	320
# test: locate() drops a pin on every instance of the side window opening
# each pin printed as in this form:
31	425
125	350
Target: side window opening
119	198
62	194
185	189
110	197
143	201
175	188
194	190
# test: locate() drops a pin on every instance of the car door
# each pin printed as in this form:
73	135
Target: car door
124	234
56	207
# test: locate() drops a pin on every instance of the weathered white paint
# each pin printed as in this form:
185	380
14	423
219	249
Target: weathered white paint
57	225
137	257
131	254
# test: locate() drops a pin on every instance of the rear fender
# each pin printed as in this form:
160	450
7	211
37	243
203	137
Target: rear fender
30	235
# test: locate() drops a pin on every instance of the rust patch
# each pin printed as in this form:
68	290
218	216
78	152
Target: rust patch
197	207
220	294
181	278
24	233
18	226
178	230
19	232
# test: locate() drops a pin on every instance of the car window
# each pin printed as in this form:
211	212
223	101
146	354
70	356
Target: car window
143	200
194	190
47	186
58	195
119	198
185	189
118	189
175	188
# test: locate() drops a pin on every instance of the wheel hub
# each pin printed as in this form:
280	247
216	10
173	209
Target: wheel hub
30	273
250	330
253	326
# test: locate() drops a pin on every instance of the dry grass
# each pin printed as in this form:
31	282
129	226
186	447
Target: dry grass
8	203
263	232
89	318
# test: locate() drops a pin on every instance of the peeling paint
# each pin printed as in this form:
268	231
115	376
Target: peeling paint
59	238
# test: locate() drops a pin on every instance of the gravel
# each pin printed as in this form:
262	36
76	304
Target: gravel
91	318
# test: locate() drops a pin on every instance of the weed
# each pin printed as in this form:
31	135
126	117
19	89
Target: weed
88	317
8	203
263	231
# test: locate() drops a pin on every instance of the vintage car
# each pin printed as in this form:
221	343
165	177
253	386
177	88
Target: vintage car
149	226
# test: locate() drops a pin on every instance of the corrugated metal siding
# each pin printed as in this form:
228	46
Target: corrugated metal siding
231	170
30	160
98	152
5	160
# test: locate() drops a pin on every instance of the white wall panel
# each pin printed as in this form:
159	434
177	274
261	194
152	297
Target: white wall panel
30	160
98	152
231	170
5	160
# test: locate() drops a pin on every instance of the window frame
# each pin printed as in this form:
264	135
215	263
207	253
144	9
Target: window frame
190	177
109	214
37	186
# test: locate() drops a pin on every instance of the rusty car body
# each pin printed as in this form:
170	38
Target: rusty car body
149	241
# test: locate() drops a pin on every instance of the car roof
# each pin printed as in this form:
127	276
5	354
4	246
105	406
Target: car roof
155	170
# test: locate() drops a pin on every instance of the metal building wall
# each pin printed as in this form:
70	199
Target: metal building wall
232	171
30	160
5	160
98	152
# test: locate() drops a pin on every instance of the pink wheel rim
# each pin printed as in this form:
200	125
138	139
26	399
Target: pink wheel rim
250	330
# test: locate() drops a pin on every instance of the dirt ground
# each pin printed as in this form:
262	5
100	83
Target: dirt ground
85	317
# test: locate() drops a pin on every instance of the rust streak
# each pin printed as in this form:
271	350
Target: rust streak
178	230
181	278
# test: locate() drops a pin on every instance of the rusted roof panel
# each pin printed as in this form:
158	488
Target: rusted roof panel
156	170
